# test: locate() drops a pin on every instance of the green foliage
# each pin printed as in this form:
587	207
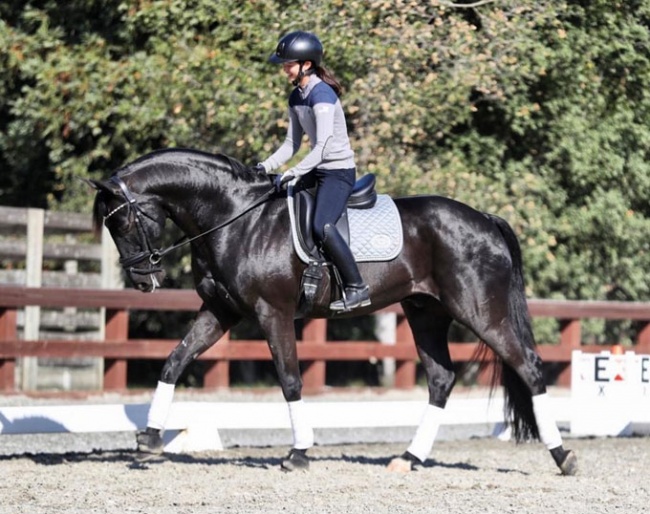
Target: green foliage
536	111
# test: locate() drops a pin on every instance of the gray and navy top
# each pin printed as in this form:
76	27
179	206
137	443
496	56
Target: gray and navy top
315	110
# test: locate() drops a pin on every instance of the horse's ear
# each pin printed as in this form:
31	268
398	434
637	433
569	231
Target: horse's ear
90	182
99	185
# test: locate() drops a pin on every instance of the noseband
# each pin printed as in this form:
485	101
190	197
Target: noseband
154	256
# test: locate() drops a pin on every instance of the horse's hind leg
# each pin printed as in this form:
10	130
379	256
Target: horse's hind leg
503	322
430	330
508	332
205	331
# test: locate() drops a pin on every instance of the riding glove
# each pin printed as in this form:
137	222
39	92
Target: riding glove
258	169
281	181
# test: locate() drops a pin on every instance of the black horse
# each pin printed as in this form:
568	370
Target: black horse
456	264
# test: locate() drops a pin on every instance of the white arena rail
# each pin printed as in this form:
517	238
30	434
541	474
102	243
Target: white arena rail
610	397
194	426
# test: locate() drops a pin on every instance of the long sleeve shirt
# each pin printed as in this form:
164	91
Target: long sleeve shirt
315	110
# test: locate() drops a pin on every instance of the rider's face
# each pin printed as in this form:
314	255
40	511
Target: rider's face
292	69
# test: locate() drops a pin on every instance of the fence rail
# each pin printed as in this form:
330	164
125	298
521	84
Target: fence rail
64	222
313	349
55	249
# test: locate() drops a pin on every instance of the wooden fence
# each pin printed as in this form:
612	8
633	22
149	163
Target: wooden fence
53	249
313	349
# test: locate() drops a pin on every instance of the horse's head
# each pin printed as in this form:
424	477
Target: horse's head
135	222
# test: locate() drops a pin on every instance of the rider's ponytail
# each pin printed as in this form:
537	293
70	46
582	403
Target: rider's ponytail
328	77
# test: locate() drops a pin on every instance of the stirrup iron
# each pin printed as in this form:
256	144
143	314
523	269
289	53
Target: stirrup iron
353	298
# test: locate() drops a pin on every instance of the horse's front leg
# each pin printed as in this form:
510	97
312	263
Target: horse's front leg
281	336
205	331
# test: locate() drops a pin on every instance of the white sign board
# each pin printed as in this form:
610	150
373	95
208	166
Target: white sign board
609	392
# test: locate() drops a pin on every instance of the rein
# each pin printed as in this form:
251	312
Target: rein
185	240
155	256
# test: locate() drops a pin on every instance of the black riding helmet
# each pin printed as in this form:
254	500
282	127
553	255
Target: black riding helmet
298	46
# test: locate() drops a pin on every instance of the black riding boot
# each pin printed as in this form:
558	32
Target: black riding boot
355	291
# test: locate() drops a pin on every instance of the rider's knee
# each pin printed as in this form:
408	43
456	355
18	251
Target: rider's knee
320	231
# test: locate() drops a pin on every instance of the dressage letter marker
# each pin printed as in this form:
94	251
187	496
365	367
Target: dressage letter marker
610	393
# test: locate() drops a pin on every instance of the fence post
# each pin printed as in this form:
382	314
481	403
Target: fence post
111	270
117	329
217	373
386	332
313	375
111	278
404	370
34	274
643	340
8	332
570	337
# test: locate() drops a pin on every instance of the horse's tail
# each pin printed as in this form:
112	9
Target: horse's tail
518	397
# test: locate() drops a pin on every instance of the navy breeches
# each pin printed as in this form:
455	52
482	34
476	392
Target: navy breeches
334	189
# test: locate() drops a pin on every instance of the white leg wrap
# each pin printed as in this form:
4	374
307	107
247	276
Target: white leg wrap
303	433
426	433
160	405
548	431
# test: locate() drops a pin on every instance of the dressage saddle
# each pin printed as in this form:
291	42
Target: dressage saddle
363	196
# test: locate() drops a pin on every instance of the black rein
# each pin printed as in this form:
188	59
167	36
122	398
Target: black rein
155	256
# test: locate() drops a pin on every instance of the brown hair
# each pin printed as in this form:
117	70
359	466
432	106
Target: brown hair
328	77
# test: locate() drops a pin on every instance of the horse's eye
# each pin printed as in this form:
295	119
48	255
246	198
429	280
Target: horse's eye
118	223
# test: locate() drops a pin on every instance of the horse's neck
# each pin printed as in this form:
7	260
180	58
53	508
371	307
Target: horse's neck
223	197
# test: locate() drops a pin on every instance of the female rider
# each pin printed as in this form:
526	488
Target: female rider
315	109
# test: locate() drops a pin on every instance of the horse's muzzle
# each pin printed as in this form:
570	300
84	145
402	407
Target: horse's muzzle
147	278
149	275
149	282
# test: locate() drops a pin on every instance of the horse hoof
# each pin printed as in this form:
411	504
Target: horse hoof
404	463
149	443
399	465
297	460
569	466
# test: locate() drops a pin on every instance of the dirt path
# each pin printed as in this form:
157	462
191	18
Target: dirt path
476	476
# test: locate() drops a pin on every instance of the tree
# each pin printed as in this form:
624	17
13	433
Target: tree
537	112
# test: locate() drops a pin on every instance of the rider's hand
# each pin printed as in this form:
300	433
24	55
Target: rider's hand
281	181
258	169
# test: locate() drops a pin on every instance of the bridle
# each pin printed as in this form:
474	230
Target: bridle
151	254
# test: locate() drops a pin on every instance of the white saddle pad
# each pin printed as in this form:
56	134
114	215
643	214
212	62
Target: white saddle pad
375	234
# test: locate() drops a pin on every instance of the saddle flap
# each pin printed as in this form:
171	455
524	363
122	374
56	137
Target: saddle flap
304	202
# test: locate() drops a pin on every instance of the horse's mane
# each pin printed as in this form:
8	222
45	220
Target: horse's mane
219	161
190	157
